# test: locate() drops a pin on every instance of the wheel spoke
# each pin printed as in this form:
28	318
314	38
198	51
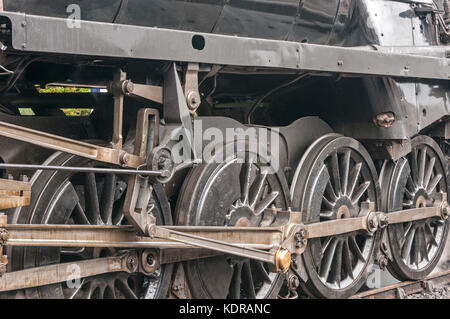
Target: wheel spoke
326	244
256	190
78	215
325	265
345	165
265	203
327	203
430	235
422	162
235	286
248	282
355	248
92	204
409	241
423	245
414	167
107	199
335	173
353	179
360	191
429	171
128	292
406	229
415	249
347	259
260	268
338	265
329	191
432	186
245	179
327	215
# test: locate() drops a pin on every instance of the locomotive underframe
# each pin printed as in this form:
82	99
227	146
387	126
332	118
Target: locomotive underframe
273	245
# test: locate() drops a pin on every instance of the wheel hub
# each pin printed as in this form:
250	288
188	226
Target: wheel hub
241	215
343	212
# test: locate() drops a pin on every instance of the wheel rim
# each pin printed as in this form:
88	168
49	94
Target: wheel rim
83	198
413	182
231	194
334	177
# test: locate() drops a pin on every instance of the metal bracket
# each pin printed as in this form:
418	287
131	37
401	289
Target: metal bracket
191	92
117	139
178	131
14	193
139	189
126	87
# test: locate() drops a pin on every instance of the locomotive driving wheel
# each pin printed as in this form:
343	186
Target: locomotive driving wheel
231	193
333	178
90	199
413	182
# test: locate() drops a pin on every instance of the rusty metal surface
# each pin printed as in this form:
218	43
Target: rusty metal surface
46	140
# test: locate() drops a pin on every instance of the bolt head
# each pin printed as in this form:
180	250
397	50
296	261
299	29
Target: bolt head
294	281
193	100
131	263
150	259
129	86
384	220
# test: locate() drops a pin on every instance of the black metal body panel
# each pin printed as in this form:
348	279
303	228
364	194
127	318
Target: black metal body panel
307	20
416	103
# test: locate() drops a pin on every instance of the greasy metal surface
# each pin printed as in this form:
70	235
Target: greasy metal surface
79	169
201	240
95	152
149	92
139	191
8	201
409	287
414	214
117	138
14	194
155	43
51	274
125	236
